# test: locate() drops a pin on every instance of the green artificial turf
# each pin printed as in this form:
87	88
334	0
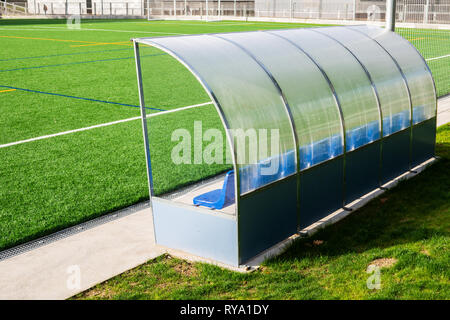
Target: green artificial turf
407	227
433	44
54	183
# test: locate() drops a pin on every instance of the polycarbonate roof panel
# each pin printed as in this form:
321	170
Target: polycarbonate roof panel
385	74
353	87
314	109
418	76
251	104
294	92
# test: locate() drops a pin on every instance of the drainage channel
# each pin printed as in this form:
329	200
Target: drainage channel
40	242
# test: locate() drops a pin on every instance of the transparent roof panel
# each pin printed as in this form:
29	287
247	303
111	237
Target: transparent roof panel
417	74
354	90
252	105
386	76
314	110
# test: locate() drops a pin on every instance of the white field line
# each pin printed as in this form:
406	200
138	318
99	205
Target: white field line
436	58
101	125
110	30
33	29
205	24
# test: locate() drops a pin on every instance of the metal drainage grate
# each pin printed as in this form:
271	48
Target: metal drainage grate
28	246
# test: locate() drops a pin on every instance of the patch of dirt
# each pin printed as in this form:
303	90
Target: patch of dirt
384	262
186	269
425	252
96	293
317	242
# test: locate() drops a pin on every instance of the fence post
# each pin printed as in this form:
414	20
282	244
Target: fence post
79	8
185	8
354	9
126	8
234	8
218	9
390	15
207	10
425	11
290	9
110	8
175	8
320	9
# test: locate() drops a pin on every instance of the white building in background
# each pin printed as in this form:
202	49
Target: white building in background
87	7
139	7
407	10
434	11
318	9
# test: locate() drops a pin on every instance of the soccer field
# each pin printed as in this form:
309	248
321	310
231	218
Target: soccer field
71	143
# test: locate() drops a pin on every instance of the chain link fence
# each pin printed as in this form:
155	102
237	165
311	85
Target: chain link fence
188	8
90	8
425	23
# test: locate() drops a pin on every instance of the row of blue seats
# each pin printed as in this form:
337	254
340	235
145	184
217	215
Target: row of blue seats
401	120
257	175
252	177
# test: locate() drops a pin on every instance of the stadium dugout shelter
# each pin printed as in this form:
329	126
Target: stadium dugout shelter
354	108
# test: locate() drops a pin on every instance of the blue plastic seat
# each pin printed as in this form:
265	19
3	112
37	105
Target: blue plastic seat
356	138
289	165
373	131
387	128
398	122
305	156
418	114
336	145
219	198
321	150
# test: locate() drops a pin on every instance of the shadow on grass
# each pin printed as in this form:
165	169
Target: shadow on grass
415	210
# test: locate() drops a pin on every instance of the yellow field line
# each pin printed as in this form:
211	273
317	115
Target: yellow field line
7	90
91	43
429	38
122	43
63	40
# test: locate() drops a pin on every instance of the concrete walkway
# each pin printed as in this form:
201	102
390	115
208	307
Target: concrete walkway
71	265
443	111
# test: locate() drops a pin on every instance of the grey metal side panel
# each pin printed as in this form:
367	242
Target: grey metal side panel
362	171
423	141
321	191
269	215
195	231
395	157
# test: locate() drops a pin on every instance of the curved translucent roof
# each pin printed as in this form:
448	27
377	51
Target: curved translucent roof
414	68
294	98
